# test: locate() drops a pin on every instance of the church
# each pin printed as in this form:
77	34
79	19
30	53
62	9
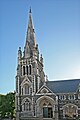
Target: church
37	98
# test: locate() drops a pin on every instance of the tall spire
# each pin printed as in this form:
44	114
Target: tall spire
30	37
30	31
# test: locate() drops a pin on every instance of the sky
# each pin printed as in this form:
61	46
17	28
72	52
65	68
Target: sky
57	28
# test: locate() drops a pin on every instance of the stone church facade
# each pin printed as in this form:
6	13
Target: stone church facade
36	97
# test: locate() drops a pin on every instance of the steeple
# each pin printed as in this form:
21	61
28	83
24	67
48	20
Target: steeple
30	37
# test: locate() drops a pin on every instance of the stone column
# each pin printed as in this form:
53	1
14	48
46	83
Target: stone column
53	111
56	112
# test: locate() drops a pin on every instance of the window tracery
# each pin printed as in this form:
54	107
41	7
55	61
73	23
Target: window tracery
71	97
62	97
28	69
70	111
26	106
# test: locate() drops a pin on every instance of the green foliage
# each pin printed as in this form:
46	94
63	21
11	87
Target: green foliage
7	105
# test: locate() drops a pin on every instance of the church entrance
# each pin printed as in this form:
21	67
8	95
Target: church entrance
47	112
45	107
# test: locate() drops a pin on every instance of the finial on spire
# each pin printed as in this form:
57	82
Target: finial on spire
30	10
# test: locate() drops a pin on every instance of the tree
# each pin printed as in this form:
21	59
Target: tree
7	105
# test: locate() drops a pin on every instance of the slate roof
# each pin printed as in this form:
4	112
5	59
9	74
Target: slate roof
63	86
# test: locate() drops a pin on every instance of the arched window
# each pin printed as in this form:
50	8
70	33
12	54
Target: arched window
26	89
70	110
71	97
23	70
27	69
30	69
26	105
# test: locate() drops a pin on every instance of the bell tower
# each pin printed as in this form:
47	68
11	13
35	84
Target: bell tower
30	75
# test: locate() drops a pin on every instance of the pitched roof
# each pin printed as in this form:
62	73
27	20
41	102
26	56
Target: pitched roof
63	86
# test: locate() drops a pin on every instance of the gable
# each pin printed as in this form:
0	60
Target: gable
26	81
44	90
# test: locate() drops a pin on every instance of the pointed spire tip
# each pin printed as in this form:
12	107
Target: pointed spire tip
30	10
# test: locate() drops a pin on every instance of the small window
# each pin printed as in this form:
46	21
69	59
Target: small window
27	69
23	70
24	106
30	69
26	89
71	97
62	97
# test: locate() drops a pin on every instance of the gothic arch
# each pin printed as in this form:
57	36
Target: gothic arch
25	86
45	97
26	81
25	99
46	106
26	104
29	69
70	104
70	110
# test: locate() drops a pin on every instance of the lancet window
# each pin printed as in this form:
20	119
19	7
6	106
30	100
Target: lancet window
29	69
23	70
26	87
26	106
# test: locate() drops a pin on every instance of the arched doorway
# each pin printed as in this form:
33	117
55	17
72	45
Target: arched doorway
45	107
